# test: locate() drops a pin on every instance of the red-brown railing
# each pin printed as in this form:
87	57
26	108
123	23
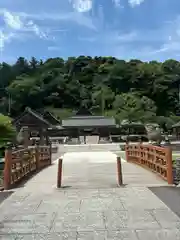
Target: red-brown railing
22	163
156	159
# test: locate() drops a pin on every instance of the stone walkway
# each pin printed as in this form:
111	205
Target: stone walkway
90	206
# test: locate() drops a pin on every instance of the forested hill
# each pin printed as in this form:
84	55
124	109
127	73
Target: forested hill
131	90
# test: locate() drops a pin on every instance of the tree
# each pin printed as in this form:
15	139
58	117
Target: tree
33	63
102	98
7	130
21	66
102	84
132	108
165	122
25	92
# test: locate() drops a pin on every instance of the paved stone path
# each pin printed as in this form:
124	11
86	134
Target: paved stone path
91	206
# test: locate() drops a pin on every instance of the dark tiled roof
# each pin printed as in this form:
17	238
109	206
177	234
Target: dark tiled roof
37	115
50	117
176	125
89	117
83	111
34	113
88	121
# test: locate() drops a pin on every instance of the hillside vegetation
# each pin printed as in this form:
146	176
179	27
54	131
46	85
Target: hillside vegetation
133	90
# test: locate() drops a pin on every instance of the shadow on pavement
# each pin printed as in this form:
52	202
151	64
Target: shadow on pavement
4	195
170	196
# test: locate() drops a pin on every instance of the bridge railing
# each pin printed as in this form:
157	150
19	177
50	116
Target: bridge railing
156	159
21	163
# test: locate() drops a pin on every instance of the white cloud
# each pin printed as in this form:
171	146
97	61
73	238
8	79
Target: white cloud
159	43
81	5
117	3
127	37
75	17
4	38
17	23
169	47
22	24
7	37
34	28
156	43
13	21
113	37
134	3
170	44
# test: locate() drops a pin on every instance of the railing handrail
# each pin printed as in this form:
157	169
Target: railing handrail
17	167
19	151
155	158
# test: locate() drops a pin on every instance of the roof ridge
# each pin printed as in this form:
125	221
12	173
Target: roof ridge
38	115
52	115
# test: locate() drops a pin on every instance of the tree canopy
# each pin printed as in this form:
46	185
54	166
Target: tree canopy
133	89
6	129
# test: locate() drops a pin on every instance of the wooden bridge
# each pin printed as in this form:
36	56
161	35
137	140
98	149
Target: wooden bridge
91	203
21	164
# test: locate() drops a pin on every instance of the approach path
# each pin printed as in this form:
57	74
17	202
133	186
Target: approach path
90	206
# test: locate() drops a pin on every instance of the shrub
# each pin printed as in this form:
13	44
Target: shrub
7	131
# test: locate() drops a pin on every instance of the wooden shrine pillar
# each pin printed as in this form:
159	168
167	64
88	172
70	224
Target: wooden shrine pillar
41	137
47	140
26	137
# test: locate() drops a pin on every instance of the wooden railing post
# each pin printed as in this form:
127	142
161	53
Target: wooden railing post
126	152
169	165
178	170
59	173
50	152
119	171
37	156
7	168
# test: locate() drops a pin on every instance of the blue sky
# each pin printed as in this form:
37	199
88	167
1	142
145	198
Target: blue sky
126	29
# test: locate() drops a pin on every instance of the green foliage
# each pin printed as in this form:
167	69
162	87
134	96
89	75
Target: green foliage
165	122
7	131
132	108
60	113
134	90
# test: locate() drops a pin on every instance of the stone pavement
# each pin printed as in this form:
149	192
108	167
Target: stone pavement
90	147
93	208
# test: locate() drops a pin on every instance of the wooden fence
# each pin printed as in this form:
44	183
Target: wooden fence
156	159
22	163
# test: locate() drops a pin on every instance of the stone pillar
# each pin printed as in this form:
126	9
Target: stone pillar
178	170
26	139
